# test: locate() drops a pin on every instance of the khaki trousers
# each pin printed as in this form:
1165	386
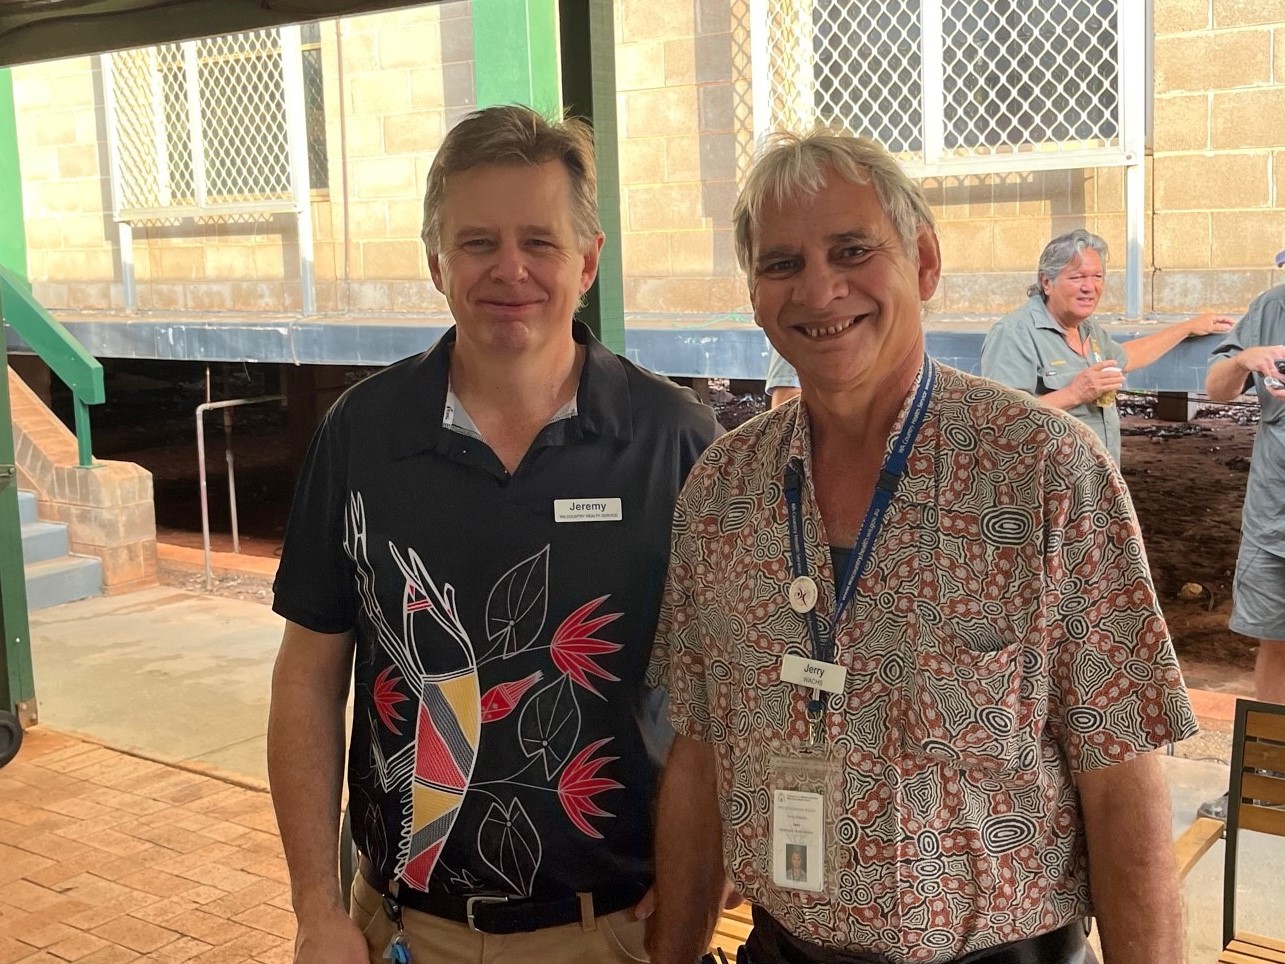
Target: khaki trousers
611	939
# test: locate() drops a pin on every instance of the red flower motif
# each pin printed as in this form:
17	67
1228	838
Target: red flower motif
499	701
574	645
578	785
386	699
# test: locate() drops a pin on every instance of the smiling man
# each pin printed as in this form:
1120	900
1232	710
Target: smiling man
479	538
1053	347
908	627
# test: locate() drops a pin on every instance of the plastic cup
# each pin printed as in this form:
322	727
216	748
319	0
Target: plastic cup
1107	399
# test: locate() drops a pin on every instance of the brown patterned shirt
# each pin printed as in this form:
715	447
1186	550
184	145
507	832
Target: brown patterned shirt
1004	636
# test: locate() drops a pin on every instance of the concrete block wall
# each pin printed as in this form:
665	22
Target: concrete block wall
388	80
108	509
395	82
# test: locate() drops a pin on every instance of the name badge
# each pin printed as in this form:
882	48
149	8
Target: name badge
798	853
814	674
587	510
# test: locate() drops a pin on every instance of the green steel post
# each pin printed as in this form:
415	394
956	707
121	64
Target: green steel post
84	448
17	685
589	91
515	53
13	238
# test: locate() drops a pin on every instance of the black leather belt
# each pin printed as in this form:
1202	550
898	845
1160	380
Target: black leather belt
498	913
770	943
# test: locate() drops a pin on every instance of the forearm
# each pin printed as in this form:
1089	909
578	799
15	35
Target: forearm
1063	398
305	769
1131	867
1225	380
689	855
1140	352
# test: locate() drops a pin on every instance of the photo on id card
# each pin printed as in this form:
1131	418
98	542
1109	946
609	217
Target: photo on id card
801	785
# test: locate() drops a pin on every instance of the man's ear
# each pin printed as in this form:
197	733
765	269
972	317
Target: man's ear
591	258
435	270
929	250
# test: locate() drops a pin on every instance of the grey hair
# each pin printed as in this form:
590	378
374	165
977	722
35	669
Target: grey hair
518	136
793	165
1060	252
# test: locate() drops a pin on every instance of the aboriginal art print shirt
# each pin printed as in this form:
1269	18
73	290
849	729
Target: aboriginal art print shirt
503	622
1005	635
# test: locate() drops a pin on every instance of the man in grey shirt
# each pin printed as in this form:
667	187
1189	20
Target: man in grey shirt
1053	347
1252	355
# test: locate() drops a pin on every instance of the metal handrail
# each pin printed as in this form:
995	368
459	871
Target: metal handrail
65	356
227	454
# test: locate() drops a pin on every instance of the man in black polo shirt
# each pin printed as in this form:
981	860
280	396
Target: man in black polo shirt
479	537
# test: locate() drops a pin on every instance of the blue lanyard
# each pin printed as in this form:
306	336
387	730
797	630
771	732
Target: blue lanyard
894	467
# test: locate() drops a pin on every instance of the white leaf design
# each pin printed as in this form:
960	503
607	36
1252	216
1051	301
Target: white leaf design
549	725
517	605
509	844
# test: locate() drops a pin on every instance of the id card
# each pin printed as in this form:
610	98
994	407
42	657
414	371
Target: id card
798	840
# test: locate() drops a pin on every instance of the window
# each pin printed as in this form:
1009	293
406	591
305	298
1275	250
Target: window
204	125
942	81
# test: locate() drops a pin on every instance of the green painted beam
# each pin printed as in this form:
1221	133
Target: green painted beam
67	357
589	90
13	238
515	53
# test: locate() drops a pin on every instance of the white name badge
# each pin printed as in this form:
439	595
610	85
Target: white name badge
587	510
814	674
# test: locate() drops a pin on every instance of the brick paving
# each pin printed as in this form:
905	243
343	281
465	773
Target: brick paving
106	858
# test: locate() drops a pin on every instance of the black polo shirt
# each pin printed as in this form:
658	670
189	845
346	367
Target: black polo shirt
503	622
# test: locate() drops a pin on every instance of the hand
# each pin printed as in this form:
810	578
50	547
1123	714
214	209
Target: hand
1261	360
732	898
1208	323
332	938
1098	379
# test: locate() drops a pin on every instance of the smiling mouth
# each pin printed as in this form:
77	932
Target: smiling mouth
835	329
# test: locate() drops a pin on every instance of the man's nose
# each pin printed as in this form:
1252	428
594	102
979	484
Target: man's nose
816	286
510	263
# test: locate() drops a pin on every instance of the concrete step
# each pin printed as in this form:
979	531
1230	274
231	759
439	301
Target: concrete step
61	580
26	506
42	541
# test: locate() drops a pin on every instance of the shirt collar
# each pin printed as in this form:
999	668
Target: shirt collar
602	398
1041	318
799	437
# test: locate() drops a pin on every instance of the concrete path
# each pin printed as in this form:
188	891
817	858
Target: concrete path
170	674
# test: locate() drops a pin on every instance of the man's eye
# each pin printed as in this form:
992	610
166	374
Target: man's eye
476	244
847	254
776	267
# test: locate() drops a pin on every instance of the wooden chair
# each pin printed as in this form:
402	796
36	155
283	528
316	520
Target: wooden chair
1256	801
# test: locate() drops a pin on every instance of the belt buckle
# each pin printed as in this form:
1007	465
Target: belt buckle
480	899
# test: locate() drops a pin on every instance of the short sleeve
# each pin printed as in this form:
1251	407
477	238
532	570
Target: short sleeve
1115	689
1116	350
678	658
780	373
315	581
1008	357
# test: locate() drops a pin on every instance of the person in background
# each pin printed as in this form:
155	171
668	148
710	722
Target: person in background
782	380
1252	356
1052	347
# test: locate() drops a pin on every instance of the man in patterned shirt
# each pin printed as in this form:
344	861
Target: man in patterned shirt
909	625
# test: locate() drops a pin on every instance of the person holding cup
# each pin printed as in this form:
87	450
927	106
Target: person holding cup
1053	347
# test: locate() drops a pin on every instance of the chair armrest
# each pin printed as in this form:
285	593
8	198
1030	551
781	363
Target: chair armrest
1194	842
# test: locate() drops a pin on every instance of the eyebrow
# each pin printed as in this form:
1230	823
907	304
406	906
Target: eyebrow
843	237
467	229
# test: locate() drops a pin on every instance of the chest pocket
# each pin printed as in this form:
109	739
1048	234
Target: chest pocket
1053	379
975	686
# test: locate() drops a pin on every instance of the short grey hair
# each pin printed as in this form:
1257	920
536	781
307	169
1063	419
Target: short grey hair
1063	250
517	136
794	165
